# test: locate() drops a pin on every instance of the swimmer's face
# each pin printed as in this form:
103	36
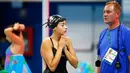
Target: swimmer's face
61	28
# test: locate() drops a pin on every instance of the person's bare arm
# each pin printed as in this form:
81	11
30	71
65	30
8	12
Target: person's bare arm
98	70
14	38
70	54
129	58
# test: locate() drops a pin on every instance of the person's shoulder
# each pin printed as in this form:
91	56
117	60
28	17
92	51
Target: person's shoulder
46	40
68	38
46	44
103	31
124	27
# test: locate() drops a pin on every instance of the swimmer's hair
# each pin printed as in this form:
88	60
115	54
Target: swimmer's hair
54	20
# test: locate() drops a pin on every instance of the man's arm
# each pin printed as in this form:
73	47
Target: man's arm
98	70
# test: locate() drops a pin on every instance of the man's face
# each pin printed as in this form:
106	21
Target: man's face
110	14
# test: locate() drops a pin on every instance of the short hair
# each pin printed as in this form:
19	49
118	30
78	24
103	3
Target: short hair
116	5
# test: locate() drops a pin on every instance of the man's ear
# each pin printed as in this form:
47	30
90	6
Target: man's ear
118	14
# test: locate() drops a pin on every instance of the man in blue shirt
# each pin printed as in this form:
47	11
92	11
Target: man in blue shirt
114	42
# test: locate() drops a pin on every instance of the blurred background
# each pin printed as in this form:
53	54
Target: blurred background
84	21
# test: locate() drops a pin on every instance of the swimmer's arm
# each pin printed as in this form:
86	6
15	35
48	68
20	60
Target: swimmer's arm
70	54
8	30
47	54
14	38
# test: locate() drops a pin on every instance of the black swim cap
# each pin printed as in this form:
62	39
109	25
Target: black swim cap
54	20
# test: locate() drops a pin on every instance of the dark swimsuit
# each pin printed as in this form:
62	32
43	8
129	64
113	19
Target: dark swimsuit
61	67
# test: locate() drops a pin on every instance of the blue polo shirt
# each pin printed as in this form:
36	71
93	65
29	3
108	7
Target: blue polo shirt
124	44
